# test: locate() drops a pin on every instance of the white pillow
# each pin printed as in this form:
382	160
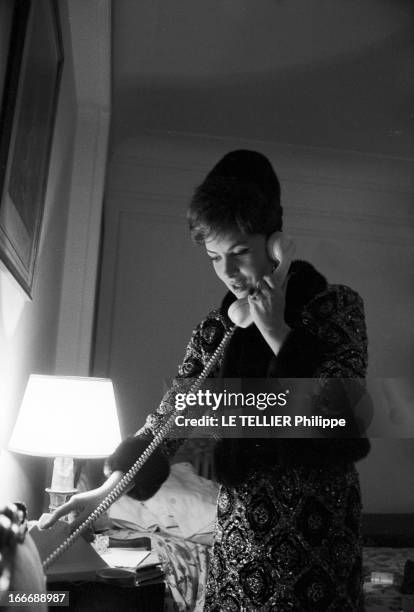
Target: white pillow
185	499
130	513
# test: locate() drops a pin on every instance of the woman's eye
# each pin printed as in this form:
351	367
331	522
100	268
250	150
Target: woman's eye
241	253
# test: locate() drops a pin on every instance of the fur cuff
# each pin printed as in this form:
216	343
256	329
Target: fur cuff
153	473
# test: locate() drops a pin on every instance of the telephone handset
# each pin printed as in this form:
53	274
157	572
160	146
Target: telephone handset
280	249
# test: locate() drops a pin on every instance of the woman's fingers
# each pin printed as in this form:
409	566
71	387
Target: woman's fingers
261	290
57	514
269	281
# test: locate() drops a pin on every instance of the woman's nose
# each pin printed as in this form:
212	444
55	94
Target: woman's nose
230	268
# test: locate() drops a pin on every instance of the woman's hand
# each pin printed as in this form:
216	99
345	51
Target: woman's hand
83	504
267	303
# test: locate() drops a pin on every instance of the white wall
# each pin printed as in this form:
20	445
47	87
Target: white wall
351	216
53	332
29	328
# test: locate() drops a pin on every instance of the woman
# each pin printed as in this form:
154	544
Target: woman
287	534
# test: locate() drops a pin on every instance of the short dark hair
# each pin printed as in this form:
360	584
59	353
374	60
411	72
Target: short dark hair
241	190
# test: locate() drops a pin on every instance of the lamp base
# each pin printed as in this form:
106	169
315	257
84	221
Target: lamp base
62	486
58	498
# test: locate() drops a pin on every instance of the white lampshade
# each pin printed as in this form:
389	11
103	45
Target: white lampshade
63	416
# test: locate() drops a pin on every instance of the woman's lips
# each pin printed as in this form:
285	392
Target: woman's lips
239	287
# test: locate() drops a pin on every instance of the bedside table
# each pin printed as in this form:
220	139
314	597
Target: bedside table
76	571
85	596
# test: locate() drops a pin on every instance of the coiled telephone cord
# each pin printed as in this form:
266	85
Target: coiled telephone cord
126	480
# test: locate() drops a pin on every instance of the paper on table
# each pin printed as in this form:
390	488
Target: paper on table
124	557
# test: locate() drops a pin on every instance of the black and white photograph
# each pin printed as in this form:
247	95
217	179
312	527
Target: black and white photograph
206	298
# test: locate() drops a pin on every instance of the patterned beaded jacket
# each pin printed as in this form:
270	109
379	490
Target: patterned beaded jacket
327	342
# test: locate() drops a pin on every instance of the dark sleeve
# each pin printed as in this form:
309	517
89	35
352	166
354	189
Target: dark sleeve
152	474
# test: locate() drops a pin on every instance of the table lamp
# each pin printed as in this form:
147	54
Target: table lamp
66	417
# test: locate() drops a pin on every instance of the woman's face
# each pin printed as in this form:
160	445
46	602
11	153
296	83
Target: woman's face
239	260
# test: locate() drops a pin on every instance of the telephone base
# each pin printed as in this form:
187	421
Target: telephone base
79	562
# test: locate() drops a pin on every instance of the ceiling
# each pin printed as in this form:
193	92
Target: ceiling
322	73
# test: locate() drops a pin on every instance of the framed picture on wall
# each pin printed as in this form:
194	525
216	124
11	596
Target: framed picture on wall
30	71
